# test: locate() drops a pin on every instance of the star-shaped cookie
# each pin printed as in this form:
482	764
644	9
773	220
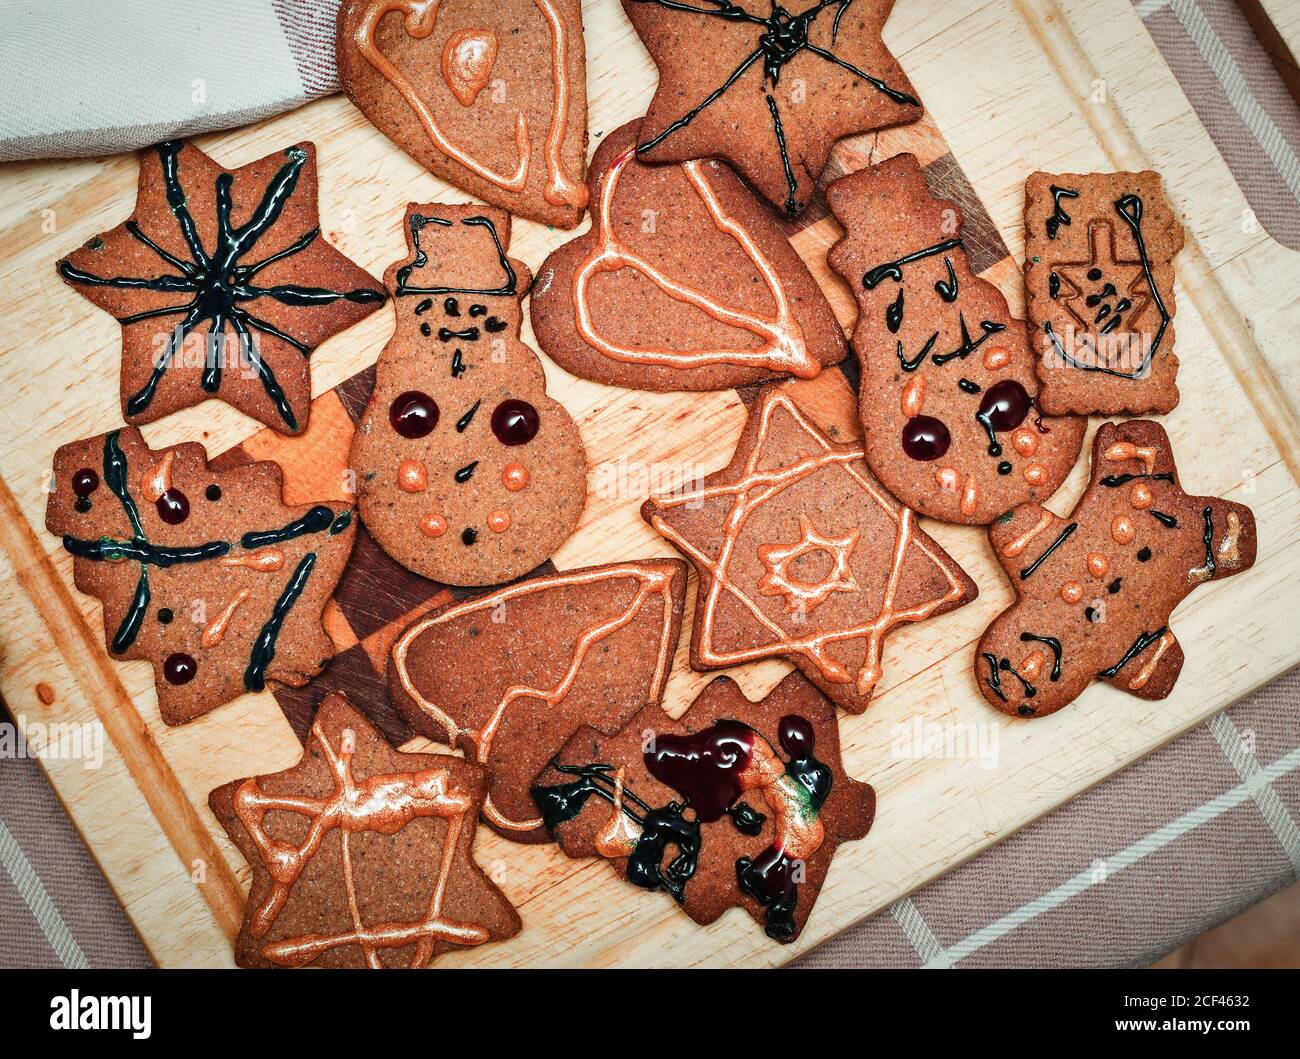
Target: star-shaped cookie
223	285
361	855
802	554
767	89
734	803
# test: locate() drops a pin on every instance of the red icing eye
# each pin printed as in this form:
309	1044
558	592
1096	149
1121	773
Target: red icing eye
179	668
173	507
1005	405
515	422
413	414
925	438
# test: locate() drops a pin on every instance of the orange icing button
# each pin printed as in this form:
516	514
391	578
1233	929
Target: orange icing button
433	525
1122	530
1035	474
914	396
1031	666
1025	441
1098	564
498	522
1141	495
947	478
467	60
514	477
996	358
1072	592
412	477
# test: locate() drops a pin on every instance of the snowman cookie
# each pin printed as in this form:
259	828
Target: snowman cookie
467	473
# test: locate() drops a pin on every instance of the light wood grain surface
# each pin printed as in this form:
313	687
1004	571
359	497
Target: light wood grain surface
1009	87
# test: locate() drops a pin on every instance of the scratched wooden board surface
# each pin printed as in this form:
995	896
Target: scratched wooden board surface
1009	87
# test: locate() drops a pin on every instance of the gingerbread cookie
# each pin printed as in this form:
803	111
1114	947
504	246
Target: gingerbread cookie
685	282
1095	591
361	855
206	574
803	555
766	89
948	382
1099	288
735	803
508	677
467	472
223	285
490	96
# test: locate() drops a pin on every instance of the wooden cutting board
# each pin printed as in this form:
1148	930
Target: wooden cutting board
1009	87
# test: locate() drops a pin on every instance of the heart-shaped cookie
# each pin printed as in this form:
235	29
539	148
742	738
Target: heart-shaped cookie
490	96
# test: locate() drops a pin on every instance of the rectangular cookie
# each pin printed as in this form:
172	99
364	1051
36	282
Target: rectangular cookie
1099	288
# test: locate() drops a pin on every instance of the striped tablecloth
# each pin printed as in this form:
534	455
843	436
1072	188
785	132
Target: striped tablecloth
1188	837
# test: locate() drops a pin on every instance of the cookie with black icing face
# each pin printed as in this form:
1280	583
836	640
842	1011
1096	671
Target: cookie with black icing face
490	95
223	285
948	395
361	856
205	574
467	472
1095	590
768	89
734	803
1099	291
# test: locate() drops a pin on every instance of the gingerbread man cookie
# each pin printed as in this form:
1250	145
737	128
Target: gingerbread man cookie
467	472
509	676
803	555
735	803
206	574
685	282
223	285
1095	591
362	856
948	383
490	95
766	89
1099	288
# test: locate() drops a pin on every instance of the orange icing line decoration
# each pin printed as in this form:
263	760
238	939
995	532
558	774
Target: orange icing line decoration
1126	450
1031	666
420	18
514	477
216	629
650	582
1147	670
1014	547
412	477
783	349
807	596
970	495
753	490
1230	547
914	396
381	804
156	482
467	60
498	521
433	525
263	560
618	837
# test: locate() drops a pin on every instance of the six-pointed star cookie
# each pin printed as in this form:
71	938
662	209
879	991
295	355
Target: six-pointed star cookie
802	554
767	89
361	855
223	285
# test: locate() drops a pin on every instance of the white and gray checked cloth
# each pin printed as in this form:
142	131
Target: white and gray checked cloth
1123	874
